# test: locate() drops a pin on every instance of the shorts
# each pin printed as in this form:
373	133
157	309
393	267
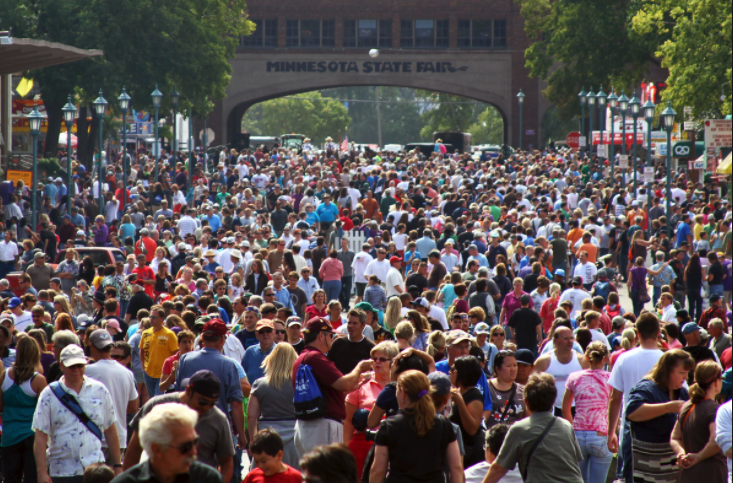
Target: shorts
361	288
139	376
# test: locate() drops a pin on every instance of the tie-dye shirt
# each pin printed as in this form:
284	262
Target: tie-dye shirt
591	393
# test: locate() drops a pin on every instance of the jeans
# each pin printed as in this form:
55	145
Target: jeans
623	264
694	301
596	456
152	384
656	293
19	463
634	296
345	295
332	289
123	308
5	268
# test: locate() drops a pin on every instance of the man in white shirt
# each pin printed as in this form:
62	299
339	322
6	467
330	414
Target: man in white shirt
8	254
669	312
187	224
575	295
586	270
308	284
119	380
22	318
492	444
629	369
395	281
360	263
225	259
378	267
723	431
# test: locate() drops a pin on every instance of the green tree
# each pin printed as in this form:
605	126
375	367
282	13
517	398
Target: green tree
489	127
578	44
182	42
308	113
695	45
445	112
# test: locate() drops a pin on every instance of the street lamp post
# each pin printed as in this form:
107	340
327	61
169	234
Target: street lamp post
34	122
520	100
157	98
668	116
124	101
175	97
69	111
100	106
190	146
648	109
583	98
623	108
635	106
601	98
612	104
591	105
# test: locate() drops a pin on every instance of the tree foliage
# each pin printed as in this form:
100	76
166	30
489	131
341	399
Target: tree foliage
695	45
489	128
186	43
445	112
308	113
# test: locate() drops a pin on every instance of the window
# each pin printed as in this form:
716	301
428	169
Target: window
264	35
310	33
349	33
424	34
385	33
482	34
441	33
368	33
406	34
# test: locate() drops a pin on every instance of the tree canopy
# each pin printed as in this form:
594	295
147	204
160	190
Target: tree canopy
186	43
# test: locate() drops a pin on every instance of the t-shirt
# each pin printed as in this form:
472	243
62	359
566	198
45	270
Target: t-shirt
591	393
500	400
290	475
659	429
326	374
631	367
212	428
247	338
275	403
145	273
477	472
155	348
413	457
120	382
524	321
346	354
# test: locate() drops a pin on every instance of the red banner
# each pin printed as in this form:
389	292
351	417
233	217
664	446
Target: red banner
617	137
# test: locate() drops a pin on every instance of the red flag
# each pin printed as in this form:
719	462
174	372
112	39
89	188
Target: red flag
345	144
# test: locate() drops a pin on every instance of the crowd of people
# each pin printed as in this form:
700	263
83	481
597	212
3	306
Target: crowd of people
366	317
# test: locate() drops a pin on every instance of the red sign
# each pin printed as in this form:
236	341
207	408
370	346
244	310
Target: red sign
573	140
617	138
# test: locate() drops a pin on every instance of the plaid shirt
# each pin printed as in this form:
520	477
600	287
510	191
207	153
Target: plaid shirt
710	314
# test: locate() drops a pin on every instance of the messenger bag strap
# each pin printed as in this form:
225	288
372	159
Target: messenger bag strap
535	445
73	405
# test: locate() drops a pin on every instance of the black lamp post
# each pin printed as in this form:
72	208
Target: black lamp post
635	107
157	98
601	98
175	97
100	106
124	101
69	111
649	109
612	104
520	100
34	122
591	105
668	116
583	98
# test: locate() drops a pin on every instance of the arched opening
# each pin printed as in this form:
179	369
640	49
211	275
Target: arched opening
377	115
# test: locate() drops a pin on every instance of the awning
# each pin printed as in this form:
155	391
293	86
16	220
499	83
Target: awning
18	55
62	140
725	166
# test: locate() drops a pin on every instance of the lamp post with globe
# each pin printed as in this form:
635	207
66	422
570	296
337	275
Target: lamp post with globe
69	111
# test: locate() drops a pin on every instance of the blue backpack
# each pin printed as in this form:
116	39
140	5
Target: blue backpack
603	289
307	398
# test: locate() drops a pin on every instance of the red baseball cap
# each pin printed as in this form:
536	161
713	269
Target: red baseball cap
215	327
394	260
317	324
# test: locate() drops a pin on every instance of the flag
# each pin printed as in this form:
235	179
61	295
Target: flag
345	144
24	86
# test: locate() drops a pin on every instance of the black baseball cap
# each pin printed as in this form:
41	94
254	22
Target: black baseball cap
205	383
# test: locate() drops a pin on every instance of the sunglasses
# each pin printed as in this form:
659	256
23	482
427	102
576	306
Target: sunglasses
188	446
498	334
266	330
118	357
269	295
381	359
281	331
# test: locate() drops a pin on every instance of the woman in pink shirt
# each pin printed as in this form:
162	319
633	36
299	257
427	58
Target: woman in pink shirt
590	391
331	272
511	303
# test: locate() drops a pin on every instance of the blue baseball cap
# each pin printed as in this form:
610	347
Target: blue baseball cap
559	272
14	302
690	327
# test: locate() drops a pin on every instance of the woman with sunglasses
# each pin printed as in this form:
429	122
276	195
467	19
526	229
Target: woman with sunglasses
693	436
497	336
365	396
507	396
468	407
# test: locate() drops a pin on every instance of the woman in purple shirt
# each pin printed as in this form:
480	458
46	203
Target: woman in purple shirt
101	232
511	303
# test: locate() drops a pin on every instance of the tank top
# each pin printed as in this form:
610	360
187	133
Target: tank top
561	372
20	404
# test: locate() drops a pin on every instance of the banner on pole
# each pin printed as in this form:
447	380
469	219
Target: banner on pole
623	161
648	175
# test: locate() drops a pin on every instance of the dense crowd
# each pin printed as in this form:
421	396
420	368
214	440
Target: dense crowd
276	316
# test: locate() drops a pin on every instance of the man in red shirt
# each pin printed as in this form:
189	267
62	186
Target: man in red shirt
149	245
145	275
318	336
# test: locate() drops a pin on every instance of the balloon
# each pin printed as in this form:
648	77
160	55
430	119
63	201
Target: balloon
374	53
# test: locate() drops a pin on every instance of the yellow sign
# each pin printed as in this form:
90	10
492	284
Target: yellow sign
15	175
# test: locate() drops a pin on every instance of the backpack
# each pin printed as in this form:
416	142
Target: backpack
602	289
616	311
308	399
